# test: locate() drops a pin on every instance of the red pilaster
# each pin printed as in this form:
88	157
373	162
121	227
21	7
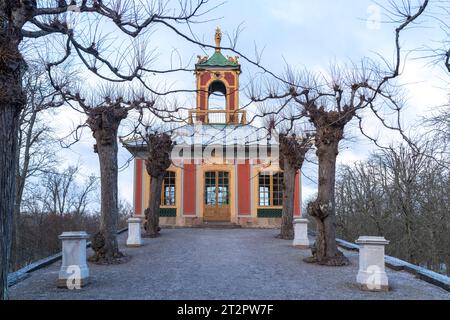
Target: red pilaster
203	91
297	200
244	189
232	99
189	189
231	78
138	171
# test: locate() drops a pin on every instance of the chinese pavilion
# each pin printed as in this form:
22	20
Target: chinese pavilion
223	170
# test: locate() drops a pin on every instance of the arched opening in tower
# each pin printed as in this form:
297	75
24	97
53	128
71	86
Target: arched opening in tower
217	96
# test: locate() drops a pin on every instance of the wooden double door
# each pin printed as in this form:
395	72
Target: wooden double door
217	196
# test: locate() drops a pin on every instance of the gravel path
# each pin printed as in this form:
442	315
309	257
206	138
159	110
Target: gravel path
243	264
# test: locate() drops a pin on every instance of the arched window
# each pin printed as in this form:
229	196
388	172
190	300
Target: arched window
217	96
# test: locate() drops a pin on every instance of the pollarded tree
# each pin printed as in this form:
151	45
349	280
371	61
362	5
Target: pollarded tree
49	21
293	150
331	103
104	123
158	160
103	119
329	132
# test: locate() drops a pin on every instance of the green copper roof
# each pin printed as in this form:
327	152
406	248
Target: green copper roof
218	60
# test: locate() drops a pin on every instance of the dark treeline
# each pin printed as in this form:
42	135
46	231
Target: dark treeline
39	231
53	202
403	195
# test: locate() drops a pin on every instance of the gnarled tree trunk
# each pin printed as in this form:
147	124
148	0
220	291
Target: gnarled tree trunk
15	239
292	156
287	217
158	161
323	210
25	139
154	204
329	132
12	101
104	122
8	149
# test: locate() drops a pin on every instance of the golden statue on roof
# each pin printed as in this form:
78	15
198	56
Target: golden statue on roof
218	39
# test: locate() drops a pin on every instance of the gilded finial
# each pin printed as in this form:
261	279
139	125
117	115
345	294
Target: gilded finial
218	39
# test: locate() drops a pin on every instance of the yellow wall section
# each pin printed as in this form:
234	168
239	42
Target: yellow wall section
146	189
178	188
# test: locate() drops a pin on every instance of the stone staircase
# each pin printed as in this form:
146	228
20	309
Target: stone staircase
218	225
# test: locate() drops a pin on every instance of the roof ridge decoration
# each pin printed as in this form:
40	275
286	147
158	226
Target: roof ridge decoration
218	59
218	39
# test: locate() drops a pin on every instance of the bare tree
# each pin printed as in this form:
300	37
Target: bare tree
158	161
438	130
35	141
40	225
330	102
104	116
59	187
82	198
62	192
293	150
329	112
104	122
434	16
400	193
38	21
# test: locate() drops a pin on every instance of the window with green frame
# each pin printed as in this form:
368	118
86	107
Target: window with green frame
168	190
270	189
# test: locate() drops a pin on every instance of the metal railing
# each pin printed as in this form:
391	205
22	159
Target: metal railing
218	117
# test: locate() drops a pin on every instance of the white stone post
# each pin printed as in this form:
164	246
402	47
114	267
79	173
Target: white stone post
301	234
134	232
372	275
74	272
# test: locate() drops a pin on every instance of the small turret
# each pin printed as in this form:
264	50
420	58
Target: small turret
218	76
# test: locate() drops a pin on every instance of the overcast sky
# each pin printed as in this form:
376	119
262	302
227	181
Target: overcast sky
305	34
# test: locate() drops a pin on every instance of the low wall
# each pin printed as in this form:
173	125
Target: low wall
21	274
399	265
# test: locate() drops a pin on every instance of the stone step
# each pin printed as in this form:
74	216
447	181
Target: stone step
218	225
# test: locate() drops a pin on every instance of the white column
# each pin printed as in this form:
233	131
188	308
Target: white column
301	234
134	232
372	275
74	272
